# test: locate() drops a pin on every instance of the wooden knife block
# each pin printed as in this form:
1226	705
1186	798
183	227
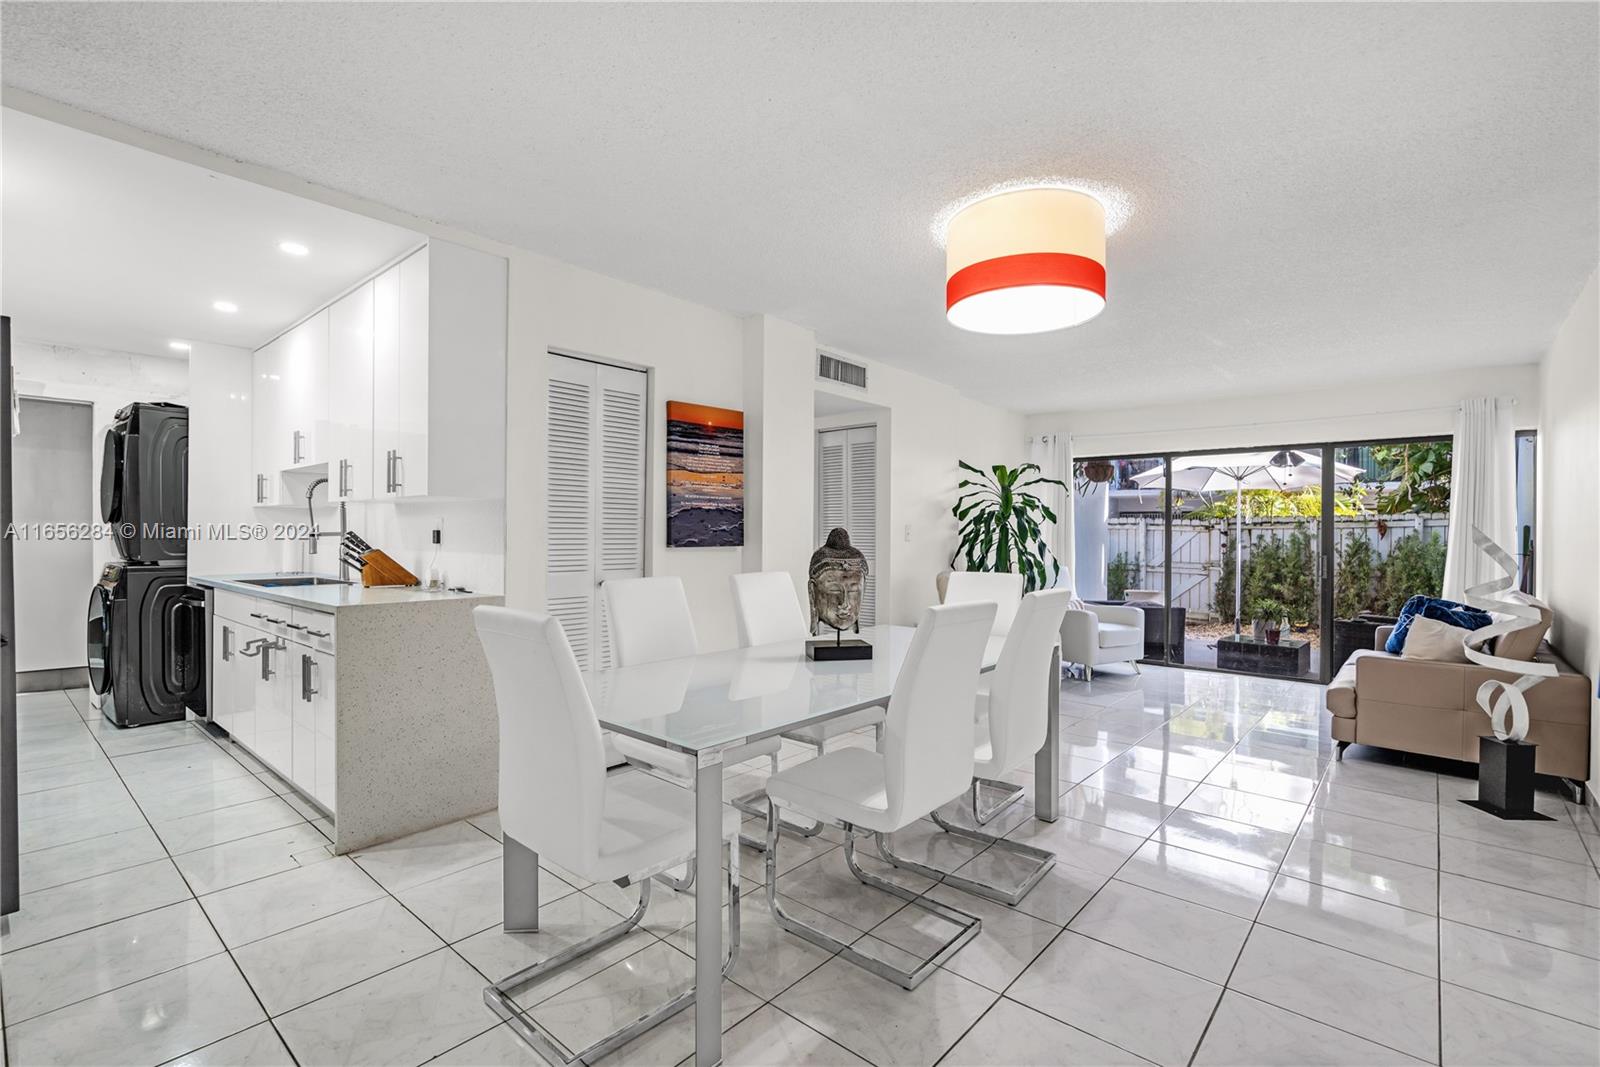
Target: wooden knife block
381	570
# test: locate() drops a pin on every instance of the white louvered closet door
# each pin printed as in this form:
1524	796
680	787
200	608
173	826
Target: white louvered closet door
595	495
847	495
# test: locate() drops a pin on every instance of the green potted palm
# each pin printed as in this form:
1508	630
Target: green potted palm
1002	523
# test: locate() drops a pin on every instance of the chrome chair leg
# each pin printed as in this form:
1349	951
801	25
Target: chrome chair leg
754	803
1042	862
967	925
499	998
1010	793
682	885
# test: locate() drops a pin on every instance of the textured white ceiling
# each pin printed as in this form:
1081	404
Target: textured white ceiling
1322	192
108	246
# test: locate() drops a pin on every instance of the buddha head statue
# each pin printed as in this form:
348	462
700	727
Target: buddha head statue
834	581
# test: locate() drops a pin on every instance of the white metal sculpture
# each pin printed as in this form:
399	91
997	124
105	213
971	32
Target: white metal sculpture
1504	702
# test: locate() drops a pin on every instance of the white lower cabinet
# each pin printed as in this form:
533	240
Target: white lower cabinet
272	689
314	763
274	728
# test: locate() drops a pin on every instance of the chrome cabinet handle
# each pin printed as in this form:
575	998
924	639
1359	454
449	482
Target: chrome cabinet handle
307	690
390	475
318	633
227	650
261	488
298	436
267	649
257	615
294	626
399	472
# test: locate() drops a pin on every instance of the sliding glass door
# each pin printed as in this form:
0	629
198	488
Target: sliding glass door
1389	542
1278	561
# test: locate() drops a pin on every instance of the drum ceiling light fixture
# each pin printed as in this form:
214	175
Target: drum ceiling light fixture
1026	261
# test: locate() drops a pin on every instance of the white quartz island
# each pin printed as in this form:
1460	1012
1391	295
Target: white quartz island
375	704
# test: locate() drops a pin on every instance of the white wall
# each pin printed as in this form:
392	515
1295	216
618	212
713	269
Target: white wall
930	427
1569	489
1405	406
692	352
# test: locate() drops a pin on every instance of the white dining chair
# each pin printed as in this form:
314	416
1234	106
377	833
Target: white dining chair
1003	590
1013	718
767	611
557	799
926	761
650	621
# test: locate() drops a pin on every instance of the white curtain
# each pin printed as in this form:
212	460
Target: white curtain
1482	491
1053	453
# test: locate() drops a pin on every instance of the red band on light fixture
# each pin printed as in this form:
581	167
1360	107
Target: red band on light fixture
1027	268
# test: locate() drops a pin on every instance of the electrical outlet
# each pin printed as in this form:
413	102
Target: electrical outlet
438	536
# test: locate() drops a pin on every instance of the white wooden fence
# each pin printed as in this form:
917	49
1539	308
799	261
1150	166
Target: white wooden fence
1198	546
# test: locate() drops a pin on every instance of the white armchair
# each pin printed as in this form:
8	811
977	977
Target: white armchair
1101	633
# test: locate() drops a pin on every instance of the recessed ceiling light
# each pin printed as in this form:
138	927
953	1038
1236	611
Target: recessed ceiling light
178	346
293	248
227	307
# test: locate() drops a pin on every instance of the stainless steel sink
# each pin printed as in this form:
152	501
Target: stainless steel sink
290	579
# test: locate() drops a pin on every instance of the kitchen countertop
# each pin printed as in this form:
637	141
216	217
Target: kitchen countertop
331	597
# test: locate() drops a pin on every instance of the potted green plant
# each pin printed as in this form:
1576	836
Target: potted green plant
1002	523
1269	613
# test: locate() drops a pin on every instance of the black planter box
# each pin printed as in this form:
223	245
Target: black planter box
1352	635
1505	779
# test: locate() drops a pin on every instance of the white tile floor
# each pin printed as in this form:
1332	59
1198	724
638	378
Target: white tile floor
1225	894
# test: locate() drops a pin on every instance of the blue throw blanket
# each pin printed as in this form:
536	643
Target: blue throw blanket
1430	607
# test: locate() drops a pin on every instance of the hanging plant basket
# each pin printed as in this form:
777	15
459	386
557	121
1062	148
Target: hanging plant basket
1089	474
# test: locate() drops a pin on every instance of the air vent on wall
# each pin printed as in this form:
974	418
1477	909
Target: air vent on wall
835	369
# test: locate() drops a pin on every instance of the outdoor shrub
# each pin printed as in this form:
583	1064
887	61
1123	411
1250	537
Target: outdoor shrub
1356	584
1415	565
1279	579
1122	574
1222	601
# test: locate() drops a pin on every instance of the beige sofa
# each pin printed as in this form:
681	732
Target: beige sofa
1431	708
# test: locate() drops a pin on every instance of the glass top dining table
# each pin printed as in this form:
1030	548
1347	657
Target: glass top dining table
702	705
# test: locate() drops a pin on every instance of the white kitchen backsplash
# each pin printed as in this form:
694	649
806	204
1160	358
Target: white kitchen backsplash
471	552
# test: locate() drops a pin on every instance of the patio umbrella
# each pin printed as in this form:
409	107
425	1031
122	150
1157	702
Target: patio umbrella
1286	468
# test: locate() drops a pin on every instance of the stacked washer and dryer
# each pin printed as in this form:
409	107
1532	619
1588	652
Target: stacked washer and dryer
146	626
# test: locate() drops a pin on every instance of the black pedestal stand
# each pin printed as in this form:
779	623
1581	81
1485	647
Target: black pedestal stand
840	648
1505	779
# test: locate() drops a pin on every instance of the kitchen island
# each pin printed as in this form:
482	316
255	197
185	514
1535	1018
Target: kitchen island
375	704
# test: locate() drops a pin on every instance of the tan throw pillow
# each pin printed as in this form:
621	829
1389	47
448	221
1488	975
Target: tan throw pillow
1522	644
1431	639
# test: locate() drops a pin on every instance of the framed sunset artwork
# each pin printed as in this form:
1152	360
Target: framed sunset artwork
705	476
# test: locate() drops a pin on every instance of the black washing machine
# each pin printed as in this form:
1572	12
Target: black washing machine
144	482
146	636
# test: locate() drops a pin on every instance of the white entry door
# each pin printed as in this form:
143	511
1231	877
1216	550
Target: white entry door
594	494
847	495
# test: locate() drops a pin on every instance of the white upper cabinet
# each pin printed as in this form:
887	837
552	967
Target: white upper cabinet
411	420
269	438
344	435
438	383
305	388
398	388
